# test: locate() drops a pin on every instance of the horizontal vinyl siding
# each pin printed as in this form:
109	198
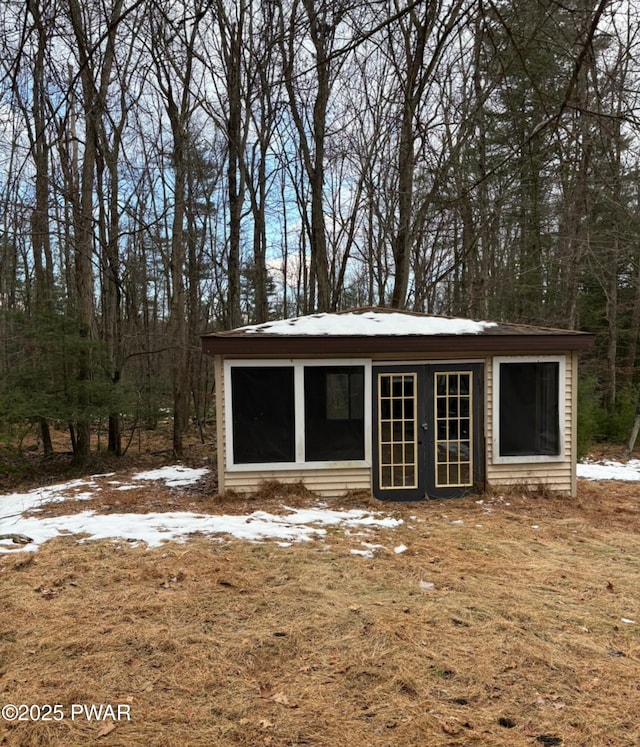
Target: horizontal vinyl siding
556	476
327	482
220	439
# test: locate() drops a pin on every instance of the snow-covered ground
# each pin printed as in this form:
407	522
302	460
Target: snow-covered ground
292	525
295	525
608	470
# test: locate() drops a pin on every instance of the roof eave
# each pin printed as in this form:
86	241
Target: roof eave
264	346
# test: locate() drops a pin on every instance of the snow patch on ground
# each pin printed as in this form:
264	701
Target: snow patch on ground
610	470
293	525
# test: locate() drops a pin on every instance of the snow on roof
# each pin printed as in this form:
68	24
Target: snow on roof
367	323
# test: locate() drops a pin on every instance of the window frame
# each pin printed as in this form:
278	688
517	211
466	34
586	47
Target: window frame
298	365
496	457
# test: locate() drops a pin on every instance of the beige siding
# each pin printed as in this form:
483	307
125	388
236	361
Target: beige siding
220	438
327	482
559	476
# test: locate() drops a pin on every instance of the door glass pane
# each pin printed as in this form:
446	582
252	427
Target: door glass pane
396	386
465	474
442	475
453	474
453	427
408	409
397	447
453	384
385	387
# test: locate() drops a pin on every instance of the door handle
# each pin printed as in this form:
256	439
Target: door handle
424	426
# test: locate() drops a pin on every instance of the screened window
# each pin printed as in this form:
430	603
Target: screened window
263	410
529	409
333	413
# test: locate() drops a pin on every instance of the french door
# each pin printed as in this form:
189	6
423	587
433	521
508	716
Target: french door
427	430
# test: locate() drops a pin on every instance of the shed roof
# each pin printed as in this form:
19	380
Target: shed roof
378	330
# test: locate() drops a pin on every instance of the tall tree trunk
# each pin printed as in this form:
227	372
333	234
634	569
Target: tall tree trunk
94	105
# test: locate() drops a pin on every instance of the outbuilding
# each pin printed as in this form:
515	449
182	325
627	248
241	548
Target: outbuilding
408	406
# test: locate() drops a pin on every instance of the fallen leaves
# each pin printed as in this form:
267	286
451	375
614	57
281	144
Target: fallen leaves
107	729
267	693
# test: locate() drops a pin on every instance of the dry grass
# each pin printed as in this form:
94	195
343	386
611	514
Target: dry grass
519	641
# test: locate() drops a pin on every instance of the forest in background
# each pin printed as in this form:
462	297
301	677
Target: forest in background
170	168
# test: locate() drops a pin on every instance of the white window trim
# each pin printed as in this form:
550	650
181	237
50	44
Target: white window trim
495	409
298	366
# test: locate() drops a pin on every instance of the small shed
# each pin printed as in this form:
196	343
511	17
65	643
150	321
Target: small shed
409	406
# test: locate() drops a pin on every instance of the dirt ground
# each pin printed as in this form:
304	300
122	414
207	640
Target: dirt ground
510	619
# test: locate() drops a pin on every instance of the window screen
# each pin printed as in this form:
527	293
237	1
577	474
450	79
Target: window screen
263	414
529	409
333	413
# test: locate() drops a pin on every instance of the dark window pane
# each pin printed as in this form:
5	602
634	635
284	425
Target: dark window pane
454	475
263	414
396	386
333	413
453	384
385	386
464	384
529	414
465	474
337	396
408	409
